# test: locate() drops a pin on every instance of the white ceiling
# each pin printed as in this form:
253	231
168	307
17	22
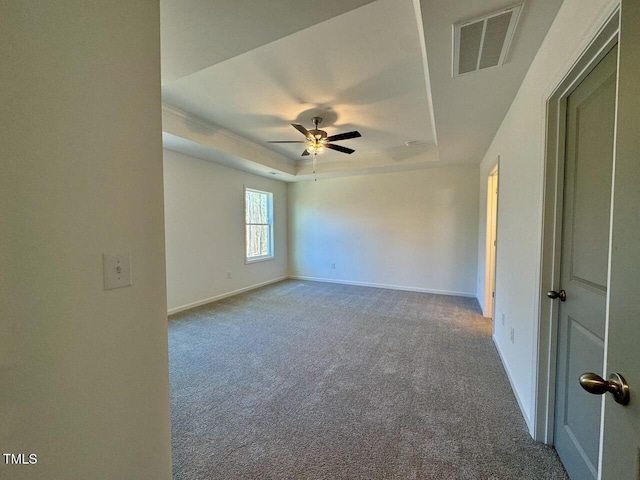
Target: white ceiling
376	67
196	34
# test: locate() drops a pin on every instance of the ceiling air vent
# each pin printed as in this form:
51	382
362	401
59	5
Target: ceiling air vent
483	42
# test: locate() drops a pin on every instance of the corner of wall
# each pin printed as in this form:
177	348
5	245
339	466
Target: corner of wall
209	263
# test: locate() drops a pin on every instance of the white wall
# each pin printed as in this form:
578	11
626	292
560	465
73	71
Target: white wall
520	143
83	371
204	218
415	230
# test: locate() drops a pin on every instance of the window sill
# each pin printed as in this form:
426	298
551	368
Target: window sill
248	261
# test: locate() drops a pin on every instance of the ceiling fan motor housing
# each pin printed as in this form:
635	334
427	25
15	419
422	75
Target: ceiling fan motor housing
318	134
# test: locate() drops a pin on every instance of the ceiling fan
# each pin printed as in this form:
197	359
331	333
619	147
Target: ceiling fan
317	140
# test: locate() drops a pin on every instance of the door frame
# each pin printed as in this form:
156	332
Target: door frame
491	253
545	375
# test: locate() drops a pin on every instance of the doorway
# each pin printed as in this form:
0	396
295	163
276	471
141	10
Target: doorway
491	244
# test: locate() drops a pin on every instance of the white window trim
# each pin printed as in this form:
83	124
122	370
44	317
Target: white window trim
271	255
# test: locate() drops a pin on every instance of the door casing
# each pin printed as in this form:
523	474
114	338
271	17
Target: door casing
545	376
491	243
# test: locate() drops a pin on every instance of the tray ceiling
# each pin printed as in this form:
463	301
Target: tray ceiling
382	68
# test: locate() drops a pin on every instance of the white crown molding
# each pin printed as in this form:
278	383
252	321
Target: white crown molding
230	149
425	66
360	163
183	124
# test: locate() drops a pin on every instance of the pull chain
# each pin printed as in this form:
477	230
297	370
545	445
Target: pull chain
315	179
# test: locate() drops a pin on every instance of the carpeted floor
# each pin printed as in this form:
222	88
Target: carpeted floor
306	380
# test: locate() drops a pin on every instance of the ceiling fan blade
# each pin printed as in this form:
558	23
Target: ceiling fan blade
305	153
339	148
343	136
302	130
286	141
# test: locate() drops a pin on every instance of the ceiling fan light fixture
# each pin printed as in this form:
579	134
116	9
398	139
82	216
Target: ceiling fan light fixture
316	141
316	147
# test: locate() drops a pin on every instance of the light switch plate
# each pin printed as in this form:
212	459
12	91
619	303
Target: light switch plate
117	270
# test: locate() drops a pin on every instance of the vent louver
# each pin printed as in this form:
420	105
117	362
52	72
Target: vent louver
483	42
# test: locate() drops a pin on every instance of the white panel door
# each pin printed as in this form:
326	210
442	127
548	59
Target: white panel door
584	267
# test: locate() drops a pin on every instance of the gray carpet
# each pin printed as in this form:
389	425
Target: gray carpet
306	380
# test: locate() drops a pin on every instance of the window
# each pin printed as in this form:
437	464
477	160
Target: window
258	209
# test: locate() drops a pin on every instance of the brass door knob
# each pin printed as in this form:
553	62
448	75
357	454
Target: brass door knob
616	385
562	295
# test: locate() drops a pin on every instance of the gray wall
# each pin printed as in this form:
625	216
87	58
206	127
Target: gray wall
83	371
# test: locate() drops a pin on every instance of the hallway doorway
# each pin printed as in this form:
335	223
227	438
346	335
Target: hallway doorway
491	243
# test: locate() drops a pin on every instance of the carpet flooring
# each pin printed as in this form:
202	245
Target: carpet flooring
307	380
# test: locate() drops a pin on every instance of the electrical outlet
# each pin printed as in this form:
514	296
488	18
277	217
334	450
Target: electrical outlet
503	319
513	333
333	266
228	275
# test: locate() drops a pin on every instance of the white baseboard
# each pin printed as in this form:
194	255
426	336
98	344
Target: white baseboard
481	303
382	285
513	387
215	298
